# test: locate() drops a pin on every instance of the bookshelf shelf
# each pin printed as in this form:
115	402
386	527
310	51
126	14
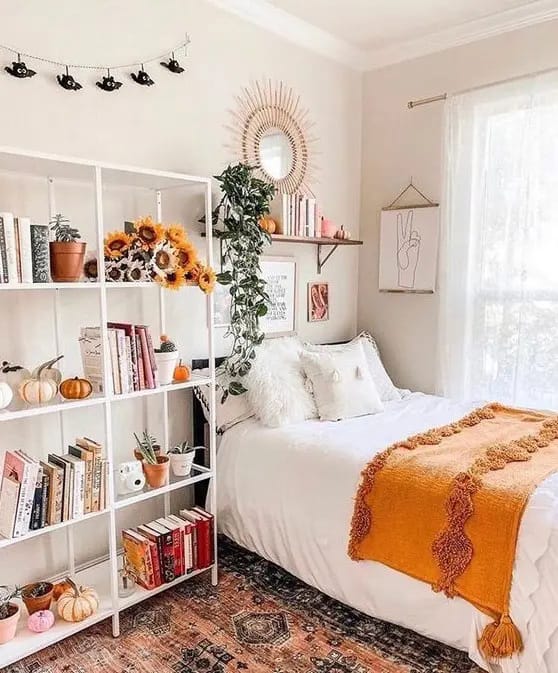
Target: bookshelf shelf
320	242
8	542
103	576
132	499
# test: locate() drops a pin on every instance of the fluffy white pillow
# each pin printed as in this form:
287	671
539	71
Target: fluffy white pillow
233	410
277	390
342	384
384	385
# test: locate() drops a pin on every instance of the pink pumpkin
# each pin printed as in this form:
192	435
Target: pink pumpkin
40	621
328	228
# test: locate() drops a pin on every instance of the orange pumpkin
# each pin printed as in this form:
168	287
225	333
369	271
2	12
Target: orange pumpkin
181	373
76	388
60	588
268	224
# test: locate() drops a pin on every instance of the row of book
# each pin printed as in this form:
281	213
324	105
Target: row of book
35	493
24	250
163	550
299	216
132	357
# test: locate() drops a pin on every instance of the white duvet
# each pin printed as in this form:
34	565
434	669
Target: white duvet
287	494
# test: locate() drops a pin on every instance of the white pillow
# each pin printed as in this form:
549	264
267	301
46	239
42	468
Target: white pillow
342	384
233	410
277	390
384	385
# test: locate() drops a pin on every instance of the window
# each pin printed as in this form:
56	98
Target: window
499	311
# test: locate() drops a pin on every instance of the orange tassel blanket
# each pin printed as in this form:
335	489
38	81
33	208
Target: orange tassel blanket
445	507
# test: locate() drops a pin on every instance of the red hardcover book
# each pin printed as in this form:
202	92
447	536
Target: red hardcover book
147	368
177	544
203	536
207	515
185	529
168	571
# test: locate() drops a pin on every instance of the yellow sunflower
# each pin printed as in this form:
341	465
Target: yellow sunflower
193	275
149	232
172	279
207	279
186	255
176	234
116	244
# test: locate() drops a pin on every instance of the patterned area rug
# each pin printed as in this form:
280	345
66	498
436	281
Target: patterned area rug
259	619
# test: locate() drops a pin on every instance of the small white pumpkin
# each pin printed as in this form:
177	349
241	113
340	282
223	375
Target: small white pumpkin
75	605
6	394
38	390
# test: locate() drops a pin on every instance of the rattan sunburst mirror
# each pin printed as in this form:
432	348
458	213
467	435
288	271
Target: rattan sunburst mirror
271	132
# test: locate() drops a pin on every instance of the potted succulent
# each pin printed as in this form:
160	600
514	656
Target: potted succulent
37	596
155	467
66	252
9	612
182	459
166	357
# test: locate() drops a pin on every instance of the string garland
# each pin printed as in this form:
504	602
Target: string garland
108	83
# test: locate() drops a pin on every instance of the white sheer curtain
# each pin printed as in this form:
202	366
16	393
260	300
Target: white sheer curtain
498	335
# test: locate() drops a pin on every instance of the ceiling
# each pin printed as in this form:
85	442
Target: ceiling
368	34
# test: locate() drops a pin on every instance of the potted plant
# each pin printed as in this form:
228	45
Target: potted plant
9	613
66	252
182	459
166	357
37	596
155	467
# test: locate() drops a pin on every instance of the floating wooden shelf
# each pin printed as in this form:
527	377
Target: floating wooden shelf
320	242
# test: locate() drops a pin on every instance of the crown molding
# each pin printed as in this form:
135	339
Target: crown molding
298	31
472	31
305	34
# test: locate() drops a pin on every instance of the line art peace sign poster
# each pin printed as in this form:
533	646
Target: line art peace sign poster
409	249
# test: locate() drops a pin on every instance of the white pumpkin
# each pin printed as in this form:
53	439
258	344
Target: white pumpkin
75	605
6	394
37	391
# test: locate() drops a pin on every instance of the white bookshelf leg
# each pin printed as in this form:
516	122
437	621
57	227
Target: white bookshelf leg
71	551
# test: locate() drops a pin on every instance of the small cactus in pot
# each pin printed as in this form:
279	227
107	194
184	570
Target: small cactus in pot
181	459
166	357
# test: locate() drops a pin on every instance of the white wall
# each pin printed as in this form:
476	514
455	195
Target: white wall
399	143
179	124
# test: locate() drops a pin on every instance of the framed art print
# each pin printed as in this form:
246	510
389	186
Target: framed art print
318	302
279	274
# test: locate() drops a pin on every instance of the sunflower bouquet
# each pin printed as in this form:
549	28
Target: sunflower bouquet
152	252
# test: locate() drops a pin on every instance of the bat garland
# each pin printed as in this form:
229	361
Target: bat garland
108	83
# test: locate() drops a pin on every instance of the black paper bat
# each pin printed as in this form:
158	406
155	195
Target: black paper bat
142	78
109	84
68	82
173	65
20	70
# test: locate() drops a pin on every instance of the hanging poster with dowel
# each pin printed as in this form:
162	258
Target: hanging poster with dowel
409	238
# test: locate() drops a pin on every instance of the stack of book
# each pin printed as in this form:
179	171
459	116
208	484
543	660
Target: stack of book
299	216
35	493
132	358
24	251
165	549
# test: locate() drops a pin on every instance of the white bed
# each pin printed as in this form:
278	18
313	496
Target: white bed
287	494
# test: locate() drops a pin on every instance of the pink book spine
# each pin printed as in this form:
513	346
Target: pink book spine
149	381
152	360
141	374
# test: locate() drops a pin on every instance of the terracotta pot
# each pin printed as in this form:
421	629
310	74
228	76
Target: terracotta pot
66	261
181	463
36	603
157	475
8	626
138	456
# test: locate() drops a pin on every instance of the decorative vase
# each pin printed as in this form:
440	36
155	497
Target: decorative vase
8	626
36	603
66	261
181	463
166	362
157	475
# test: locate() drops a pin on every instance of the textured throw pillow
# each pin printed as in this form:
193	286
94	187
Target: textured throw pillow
384	385
233	410
342	384
277	390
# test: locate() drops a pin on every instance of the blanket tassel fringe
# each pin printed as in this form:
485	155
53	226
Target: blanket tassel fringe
500	639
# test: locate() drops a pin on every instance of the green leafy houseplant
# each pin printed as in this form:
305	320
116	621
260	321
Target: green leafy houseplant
63	231
181	449
147	446
67	253
7	595
245	200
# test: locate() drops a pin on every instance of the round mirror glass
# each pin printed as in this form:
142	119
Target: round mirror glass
276	153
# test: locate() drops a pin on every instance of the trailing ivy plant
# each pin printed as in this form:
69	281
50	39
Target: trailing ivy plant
245	200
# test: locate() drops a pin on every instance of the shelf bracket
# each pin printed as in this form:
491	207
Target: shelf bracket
321	261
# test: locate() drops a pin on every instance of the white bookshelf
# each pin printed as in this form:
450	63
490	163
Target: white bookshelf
103	574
